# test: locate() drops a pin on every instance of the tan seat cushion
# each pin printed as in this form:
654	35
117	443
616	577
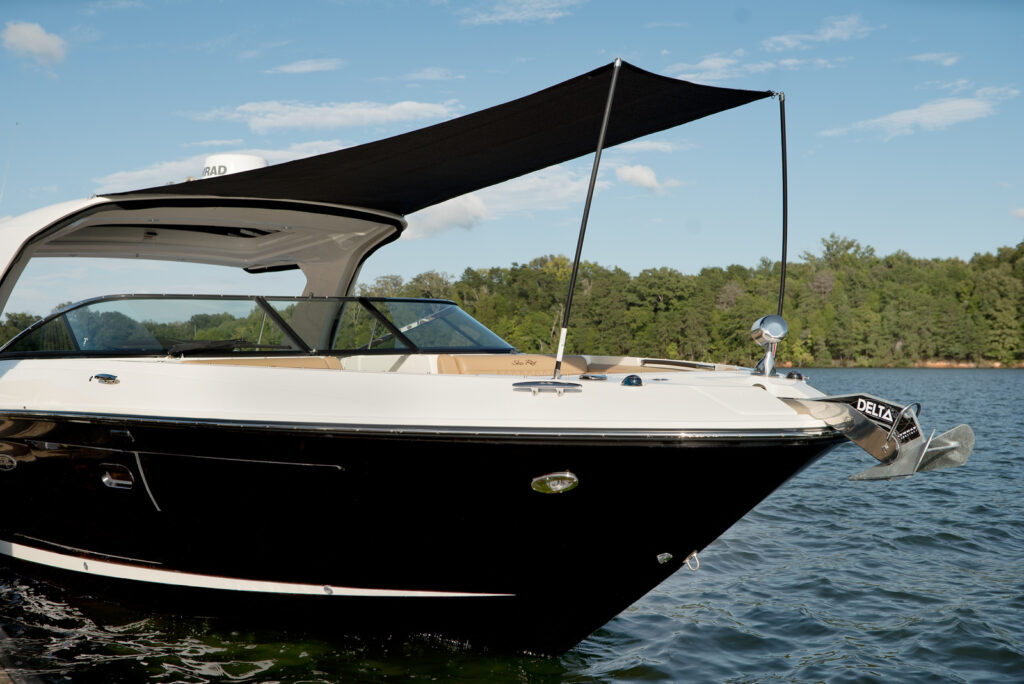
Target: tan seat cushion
507	364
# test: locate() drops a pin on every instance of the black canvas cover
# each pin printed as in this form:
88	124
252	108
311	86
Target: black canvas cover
409	172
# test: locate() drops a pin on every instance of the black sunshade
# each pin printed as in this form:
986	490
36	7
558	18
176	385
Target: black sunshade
414	170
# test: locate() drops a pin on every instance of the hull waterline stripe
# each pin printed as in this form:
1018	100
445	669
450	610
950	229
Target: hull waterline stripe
186	579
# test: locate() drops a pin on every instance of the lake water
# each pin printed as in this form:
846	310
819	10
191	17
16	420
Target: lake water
920	580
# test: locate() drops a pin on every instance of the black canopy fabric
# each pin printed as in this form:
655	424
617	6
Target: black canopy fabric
421	168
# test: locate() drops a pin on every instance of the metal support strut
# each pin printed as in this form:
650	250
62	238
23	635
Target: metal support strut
583	224
785	200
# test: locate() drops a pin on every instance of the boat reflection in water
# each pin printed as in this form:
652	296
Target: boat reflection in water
385	466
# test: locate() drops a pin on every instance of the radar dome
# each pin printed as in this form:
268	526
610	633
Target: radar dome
223	164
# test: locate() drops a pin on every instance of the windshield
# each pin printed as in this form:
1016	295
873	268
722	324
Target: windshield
433	325
189	324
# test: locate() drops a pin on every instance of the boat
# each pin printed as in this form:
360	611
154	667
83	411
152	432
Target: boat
386	466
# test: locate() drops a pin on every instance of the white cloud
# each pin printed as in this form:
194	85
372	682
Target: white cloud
521	11
433	74
720	67
307	66
711	68
932	116
996	94
643	177
835	28
178	170
651	146
957	86
1019	213
31	40
160	173
272	114
759	67
552	189
943	58
295	150
460	212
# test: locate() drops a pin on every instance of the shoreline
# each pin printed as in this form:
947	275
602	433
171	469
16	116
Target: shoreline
930	363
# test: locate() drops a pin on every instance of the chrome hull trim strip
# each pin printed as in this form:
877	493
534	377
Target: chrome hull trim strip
446	431
186	579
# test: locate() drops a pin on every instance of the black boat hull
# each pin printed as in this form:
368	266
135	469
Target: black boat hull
374	532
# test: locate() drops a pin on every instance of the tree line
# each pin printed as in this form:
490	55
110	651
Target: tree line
845	306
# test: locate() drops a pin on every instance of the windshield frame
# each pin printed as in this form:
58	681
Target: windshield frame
301	346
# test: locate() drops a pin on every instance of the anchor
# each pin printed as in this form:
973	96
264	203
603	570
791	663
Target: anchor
890	433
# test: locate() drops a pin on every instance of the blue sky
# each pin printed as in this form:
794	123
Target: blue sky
904	120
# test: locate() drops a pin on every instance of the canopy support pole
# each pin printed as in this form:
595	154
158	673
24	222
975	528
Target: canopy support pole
583	224
785	200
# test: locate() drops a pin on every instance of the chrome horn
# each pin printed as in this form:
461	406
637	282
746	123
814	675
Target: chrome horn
768	331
